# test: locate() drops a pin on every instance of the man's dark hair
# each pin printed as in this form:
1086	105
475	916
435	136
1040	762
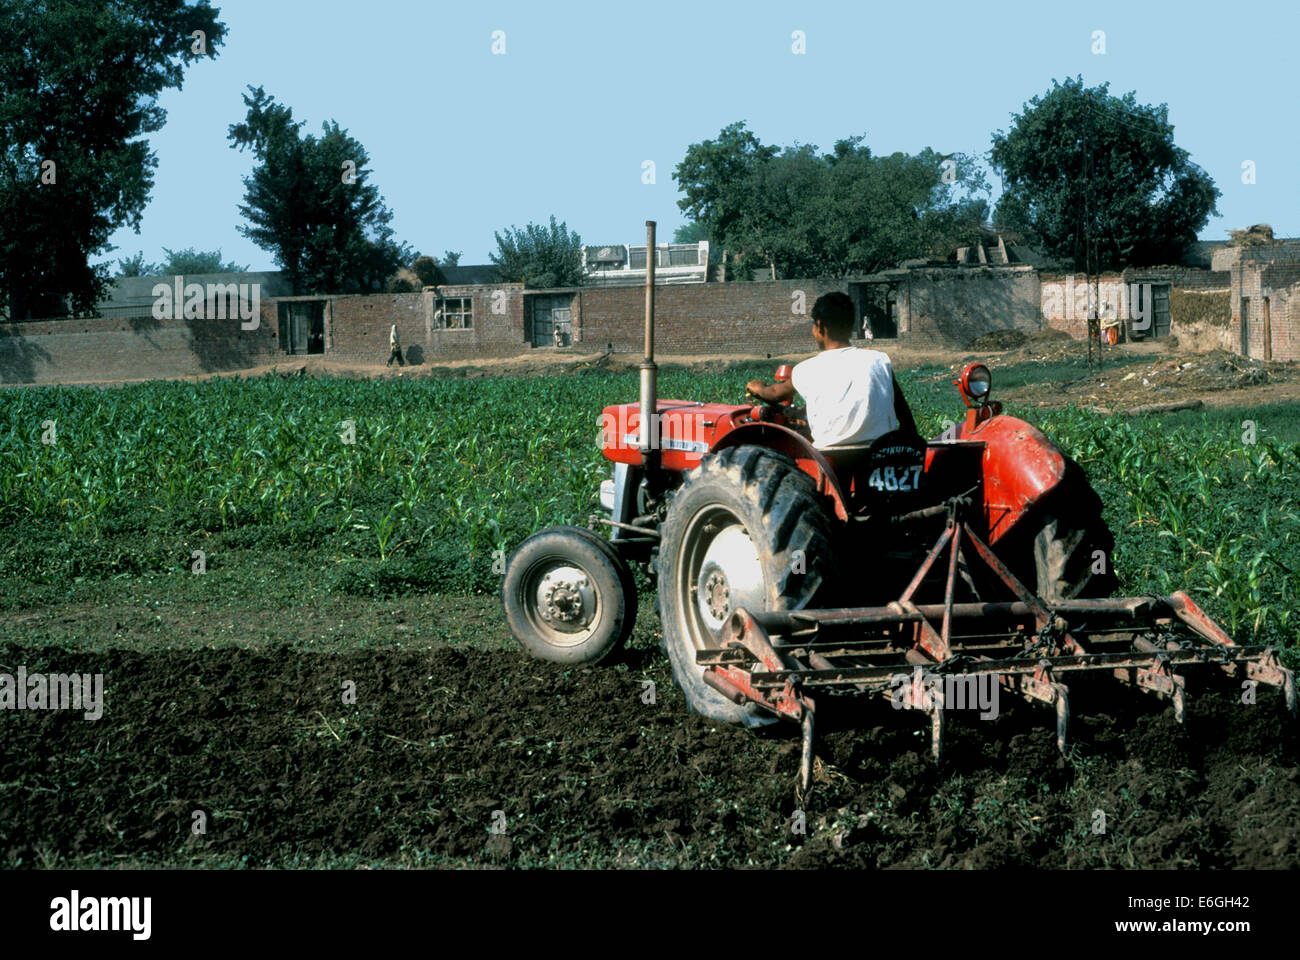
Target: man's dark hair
835	311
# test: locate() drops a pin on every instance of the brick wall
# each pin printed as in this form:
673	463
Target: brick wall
357	328
755	317
129	349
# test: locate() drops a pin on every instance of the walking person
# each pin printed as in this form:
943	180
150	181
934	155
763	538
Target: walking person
394	348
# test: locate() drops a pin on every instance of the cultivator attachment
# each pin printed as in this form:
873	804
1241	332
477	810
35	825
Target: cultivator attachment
949	655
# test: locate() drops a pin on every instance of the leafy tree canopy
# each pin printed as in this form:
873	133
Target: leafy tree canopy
187	261
828	215
539	256
429	269
692	232
1080	166
79	87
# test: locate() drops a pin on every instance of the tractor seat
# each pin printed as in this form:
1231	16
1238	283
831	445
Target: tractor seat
884	476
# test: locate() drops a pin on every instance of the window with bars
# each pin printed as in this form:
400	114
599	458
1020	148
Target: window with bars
455	313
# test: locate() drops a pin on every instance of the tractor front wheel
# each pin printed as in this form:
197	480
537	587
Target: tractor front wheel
746	529
568	596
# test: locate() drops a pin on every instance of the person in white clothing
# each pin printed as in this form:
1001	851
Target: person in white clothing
395	348
851	393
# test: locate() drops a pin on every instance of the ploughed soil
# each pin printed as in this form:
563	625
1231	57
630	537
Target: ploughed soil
467	756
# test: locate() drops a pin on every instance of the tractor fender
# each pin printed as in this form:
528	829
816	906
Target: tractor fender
784	440
1021	465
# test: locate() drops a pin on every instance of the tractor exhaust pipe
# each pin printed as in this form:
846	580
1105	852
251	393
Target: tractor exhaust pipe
649	372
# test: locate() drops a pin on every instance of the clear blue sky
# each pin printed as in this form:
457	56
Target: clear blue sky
463	142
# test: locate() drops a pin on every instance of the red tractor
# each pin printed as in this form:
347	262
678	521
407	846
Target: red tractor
784	571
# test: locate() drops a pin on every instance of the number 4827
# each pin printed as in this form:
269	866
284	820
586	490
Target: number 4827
889	478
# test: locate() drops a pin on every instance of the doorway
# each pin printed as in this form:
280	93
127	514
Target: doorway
552	320
1245	326
877	310
1160	310
302	327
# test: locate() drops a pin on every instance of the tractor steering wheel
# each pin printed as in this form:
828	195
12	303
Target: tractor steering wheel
770	408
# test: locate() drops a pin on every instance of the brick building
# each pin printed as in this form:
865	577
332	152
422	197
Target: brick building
1265	299
1148	303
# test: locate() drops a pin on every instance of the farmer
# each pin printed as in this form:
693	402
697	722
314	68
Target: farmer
394	348
851	393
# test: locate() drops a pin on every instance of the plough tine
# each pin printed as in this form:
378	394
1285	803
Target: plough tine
1268	669
1062	693
806	762
1159	678
937	724
1041	687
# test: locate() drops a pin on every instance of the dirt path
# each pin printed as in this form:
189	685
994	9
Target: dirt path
541	360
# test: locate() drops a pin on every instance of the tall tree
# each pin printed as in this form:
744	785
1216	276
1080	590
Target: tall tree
539	256
1080	167
79	85
310	203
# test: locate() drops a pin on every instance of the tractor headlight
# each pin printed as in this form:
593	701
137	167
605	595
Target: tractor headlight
975	383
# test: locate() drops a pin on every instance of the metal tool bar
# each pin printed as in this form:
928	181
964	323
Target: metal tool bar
791	621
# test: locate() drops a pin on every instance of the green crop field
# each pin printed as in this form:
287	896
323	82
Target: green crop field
417	486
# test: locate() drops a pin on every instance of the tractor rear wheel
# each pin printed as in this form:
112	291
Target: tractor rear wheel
568	596
745	529
1073	547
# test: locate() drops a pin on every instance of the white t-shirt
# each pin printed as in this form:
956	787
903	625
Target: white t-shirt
850	395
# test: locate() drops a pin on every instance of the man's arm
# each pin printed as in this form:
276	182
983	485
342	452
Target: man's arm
774	393
901	410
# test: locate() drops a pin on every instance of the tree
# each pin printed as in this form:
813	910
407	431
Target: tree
832	215
716	177
190	260
79	87
692	232
1082	167
428	270
137	266
538	256
310	204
